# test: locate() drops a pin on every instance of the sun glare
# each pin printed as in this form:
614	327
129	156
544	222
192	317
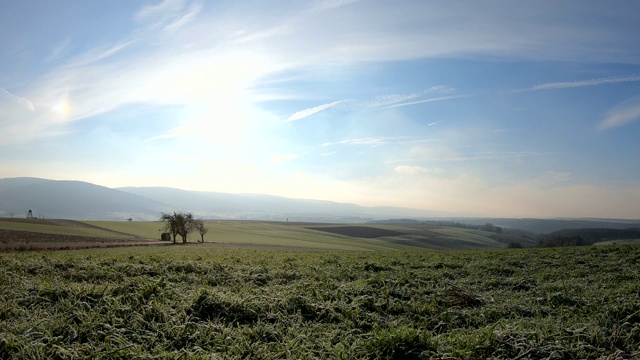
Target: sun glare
62	108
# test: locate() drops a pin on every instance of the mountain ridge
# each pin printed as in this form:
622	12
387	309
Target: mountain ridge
78	200
86	201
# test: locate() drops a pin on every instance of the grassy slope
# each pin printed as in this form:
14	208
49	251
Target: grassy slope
202	302
478	238
257	233
298	235
146	229
277	234
435	237
59	227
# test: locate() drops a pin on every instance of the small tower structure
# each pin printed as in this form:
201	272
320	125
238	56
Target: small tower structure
29	215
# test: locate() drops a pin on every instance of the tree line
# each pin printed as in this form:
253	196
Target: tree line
183	223
582	237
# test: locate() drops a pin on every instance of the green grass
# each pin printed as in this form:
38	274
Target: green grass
146	229
475	237
279	234
259	233
238	302
425	236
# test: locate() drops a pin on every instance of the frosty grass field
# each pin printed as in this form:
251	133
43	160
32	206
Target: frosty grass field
335	300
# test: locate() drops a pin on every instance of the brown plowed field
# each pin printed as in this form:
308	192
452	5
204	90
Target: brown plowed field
366	232
17	240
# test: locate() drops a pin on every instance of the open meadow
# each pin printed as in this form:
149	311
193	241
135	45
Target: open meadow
233	301
51	234
331	236
273	290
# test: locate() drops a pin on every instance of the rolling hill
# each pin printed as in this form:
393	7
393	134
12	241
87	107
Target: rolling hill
85	201
46	233
71	200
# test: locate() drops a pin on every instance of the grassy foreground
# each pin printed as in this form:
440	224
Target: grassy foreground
202	301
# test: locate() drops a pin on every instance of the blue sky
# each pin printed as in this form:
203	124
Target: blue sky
477	108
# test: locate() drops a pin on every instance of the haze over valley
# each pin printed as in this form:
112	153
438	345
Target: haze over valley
63	199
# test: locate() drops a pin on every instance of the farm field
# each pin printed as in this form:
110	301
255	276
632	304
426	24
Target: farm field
32	234
62	227
237	302
260	233
37	234
327	236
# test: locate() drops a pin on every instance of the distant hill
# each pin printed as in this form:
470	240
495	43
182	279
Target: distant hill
71	200
85	201
268	207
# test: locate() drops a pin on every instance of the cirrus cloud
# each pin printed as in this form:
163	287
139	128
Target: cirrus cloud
311	111
582	83
624	113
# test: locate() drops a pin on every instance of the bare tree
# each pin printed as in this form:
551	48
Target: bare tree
199	225
179	223
172	225
186	225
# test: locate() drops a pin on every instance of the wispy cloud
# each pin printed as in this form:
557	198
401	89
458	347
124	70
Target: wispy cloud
100	53
381	101
440	89
331	4
6	96
166	6
58	51
131	71
441	98
385	100
581	83
370	141
19	119
313	110
249	35
384	32
379	141
185	18
390	99
171	15
624	113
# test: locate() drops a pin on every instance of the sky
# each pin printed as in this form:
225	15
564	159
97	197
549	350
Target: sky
473	108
